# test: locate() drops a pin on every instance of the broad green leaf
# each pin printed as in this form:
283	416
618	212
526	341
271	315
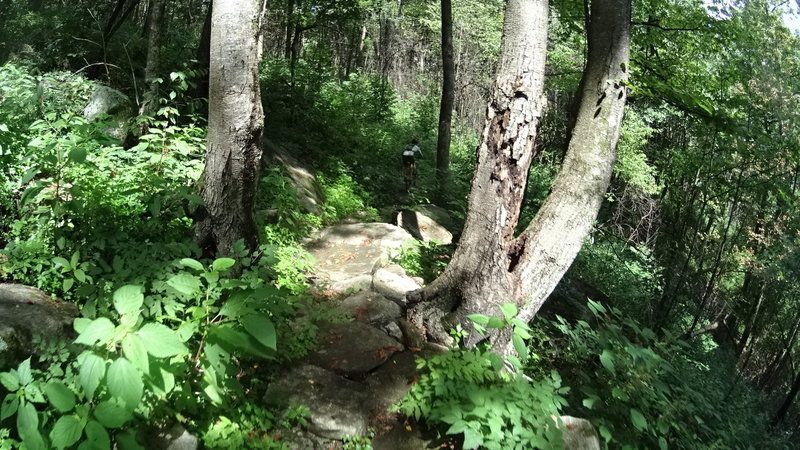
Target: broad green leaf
222	264
99	330
97	436
66	431
495	322
75	259
77	155
9	380
92	370
607	360
193	264
67	284
24	372
127	441
133	348
662	443
128	299
185	283
59	261
589	402
479	318
638	420
519	346
9	406
161	341
125	382
34	394
509	310
111	414
262	329
472	439
237	341
29	175
28	426
60	396
80	324
79	275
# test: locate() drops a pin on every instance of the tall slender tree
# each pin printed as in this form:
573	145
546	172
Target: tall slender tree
235	125
493	264
447	99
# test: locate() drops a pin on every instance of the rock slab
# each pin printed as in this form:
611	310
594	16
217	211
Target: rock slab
352	348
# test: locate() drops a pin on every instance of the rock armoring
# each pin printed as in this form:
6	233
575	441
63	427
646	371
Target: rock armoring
423	227
26	311
346	256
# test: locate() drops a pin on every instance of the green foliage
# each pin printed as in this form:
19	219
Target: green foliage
632	165
642	391
424	259
344	197
248	428
470	392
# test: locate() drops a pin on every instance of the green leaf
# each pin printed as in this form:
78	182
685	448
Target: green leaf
125	382
60	396
185	283
480	319
28	427
75	259
127	441
9	381
519	346
24	372
128	299
222	264
262	329
607	360
111	414
509	310
589	402
638	420
192	264
472	439
662	443
79	275
92	370
99	330
495	322
77	155
97	436
66	431
59	261
67	284
29	175
161	341
9	406
133	348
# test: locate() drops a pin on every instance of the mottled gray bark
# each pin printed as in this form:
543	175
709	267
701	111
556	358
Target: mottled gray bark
155	17
235	125
491	265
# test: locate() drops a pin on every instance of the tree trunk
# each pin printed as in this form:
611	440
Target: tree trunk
446	105
235	125
204	54
491	266
155	17
787	403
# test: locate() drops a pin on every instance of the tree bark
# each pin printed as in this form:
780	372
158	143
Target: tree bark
491	265
154	20
235	125
446	105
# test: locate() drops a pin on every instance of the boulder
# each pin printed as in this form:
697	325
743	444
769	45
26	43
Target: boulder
308	190
393	283
371	308
352	348
26	311
423	227
346	255
175	437
336	404
105	100
579	434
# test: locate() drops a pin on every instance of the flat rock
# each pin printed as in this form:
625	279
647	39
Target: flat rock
336	404
352	348
371	308
346	254
401	438
26	311
423	227
393	284
175	437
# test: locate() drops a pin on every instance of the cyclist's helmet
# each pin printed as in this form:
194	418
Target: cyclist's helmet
415	141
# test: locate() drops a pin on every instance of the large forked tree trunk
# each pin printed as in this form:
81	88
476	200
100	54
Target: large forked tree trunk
491	265
235	125
446	104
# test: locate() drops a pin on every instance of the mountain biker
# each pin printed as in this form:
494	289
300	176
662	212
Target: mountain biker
409	156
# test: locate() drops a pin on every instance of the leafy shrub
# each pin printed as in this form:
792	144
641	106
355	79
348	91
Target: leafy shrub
344	198
640	391
424	259
471	393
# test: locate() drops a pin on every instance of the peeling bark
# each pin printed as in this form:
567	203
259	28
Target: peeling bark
491	265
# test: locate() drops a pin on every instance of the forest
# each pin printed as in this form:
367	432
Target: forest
210	238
